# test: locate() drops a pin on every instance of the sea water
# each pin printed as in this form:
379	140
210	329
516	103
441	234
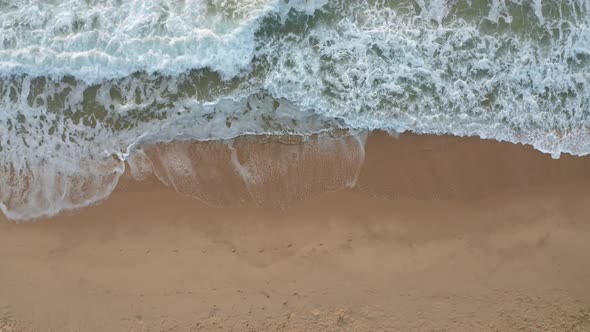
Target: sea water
84	83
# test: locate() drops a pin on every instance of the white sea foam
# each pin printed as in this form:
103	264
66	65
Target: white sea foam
427	73
97	40
50	163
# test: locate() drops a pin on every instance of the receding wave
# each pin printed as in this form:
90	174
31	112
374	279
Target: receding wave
84	84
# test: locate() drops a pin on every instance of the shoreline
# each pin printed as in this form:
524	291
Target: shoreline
140	166
437	233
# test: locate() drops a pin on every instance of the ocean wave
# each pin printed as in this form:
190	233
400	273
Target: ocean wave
84	83
101	40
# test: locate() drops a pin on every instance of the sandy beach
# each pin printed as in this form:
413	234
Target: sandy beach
416	233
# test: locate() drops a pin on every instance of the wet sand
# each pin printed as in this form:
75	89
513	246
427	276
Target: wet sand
420	233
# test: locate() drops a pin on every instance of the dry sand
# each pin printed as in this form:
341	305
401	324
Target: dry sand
436	234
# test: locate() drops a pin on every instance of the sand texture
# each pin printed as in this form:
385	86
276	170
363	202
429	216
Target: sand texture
418	233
